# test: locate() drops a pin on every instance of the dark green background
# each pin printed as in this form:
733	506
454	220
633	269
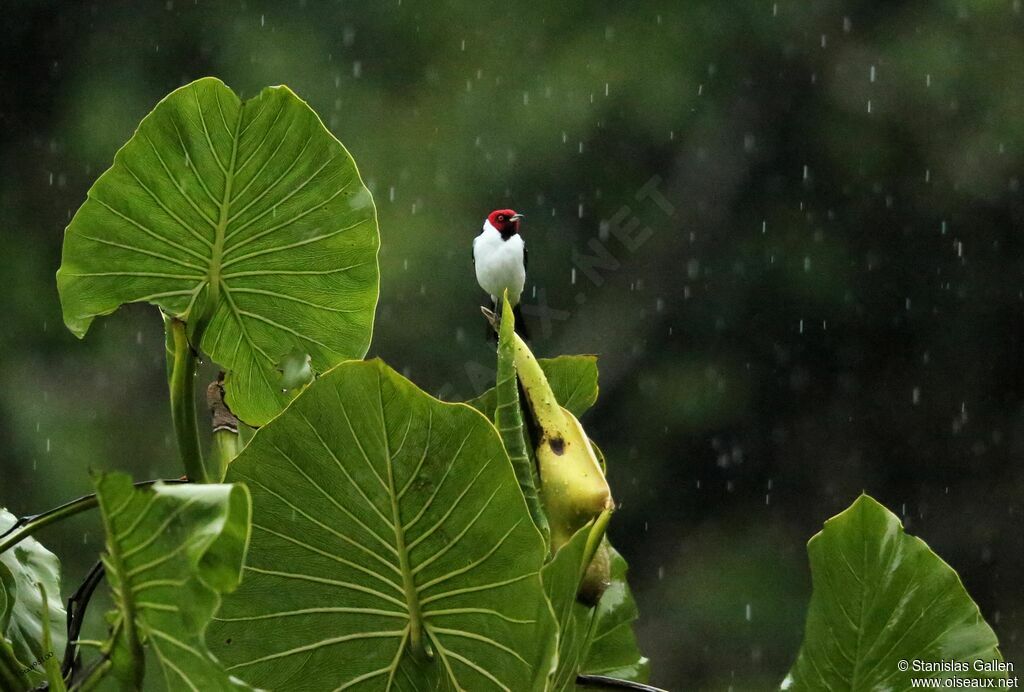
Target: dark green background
834	303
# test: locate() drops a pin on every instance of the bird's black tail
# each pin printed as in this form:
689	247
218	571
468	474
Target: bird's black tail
521	328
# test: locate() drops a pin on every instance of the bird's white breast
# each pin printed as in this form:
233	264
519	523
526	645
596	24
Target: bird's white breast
499	263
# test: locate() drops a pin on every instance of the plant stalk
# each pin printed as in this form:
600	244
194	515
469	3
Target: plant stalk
183	406
226	443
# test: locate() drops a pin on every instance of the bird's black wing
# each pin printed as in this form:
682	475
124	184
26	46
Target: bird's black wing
526	257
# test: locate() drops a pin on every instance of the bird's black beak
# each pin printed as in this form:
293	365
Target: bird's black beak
516	217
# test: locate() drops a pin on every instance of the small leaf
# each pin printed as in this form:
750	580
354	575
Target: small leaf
561	578
598	641
171	551
248	221
613	647
296	369
392	548
573	379
881	597
22	609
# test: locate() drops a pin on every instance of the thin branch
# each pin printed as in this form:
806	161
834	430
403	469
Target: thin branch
25	526
77	604
183	405
605	683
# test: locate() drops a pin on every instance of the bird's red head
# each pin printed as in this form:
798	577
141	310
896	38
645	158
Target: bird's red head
505	221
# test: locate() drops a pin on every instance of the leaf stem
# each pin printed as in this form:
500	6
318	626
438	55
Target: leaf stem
594	538
54	675
26	526
135	665
183	405
226	443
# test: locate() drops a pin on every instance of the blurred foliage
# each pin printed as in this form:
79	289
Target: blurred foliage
833	304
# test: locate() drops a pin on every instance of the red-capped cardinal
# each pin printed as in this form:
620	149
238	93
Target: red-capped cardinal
499	254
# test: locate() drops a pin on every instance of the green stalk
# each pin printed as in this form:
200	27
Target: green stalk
595	575
183	407
597	533
50	665
226	443
225	448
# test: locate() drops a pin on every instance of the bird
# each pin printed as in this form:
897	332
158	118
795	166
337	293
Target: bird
500	259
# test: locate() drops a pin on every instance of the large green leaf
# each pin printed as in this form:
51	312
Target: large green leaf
171	551
598	640
22	609
248	221
392	548
573	380
881	597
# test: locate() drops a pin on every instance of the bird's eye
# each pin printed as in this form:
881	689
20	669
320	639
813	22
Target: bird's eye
501	217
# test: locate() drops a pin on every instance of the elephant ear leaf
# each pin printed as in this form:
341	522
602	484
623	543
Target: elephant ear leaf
22	608
392	548
882	600
246	220
171	551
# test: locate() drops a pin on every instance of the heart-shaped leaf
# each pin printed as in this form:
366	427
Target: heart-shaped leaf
392	548
883	604
22	567
246	220
171	550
